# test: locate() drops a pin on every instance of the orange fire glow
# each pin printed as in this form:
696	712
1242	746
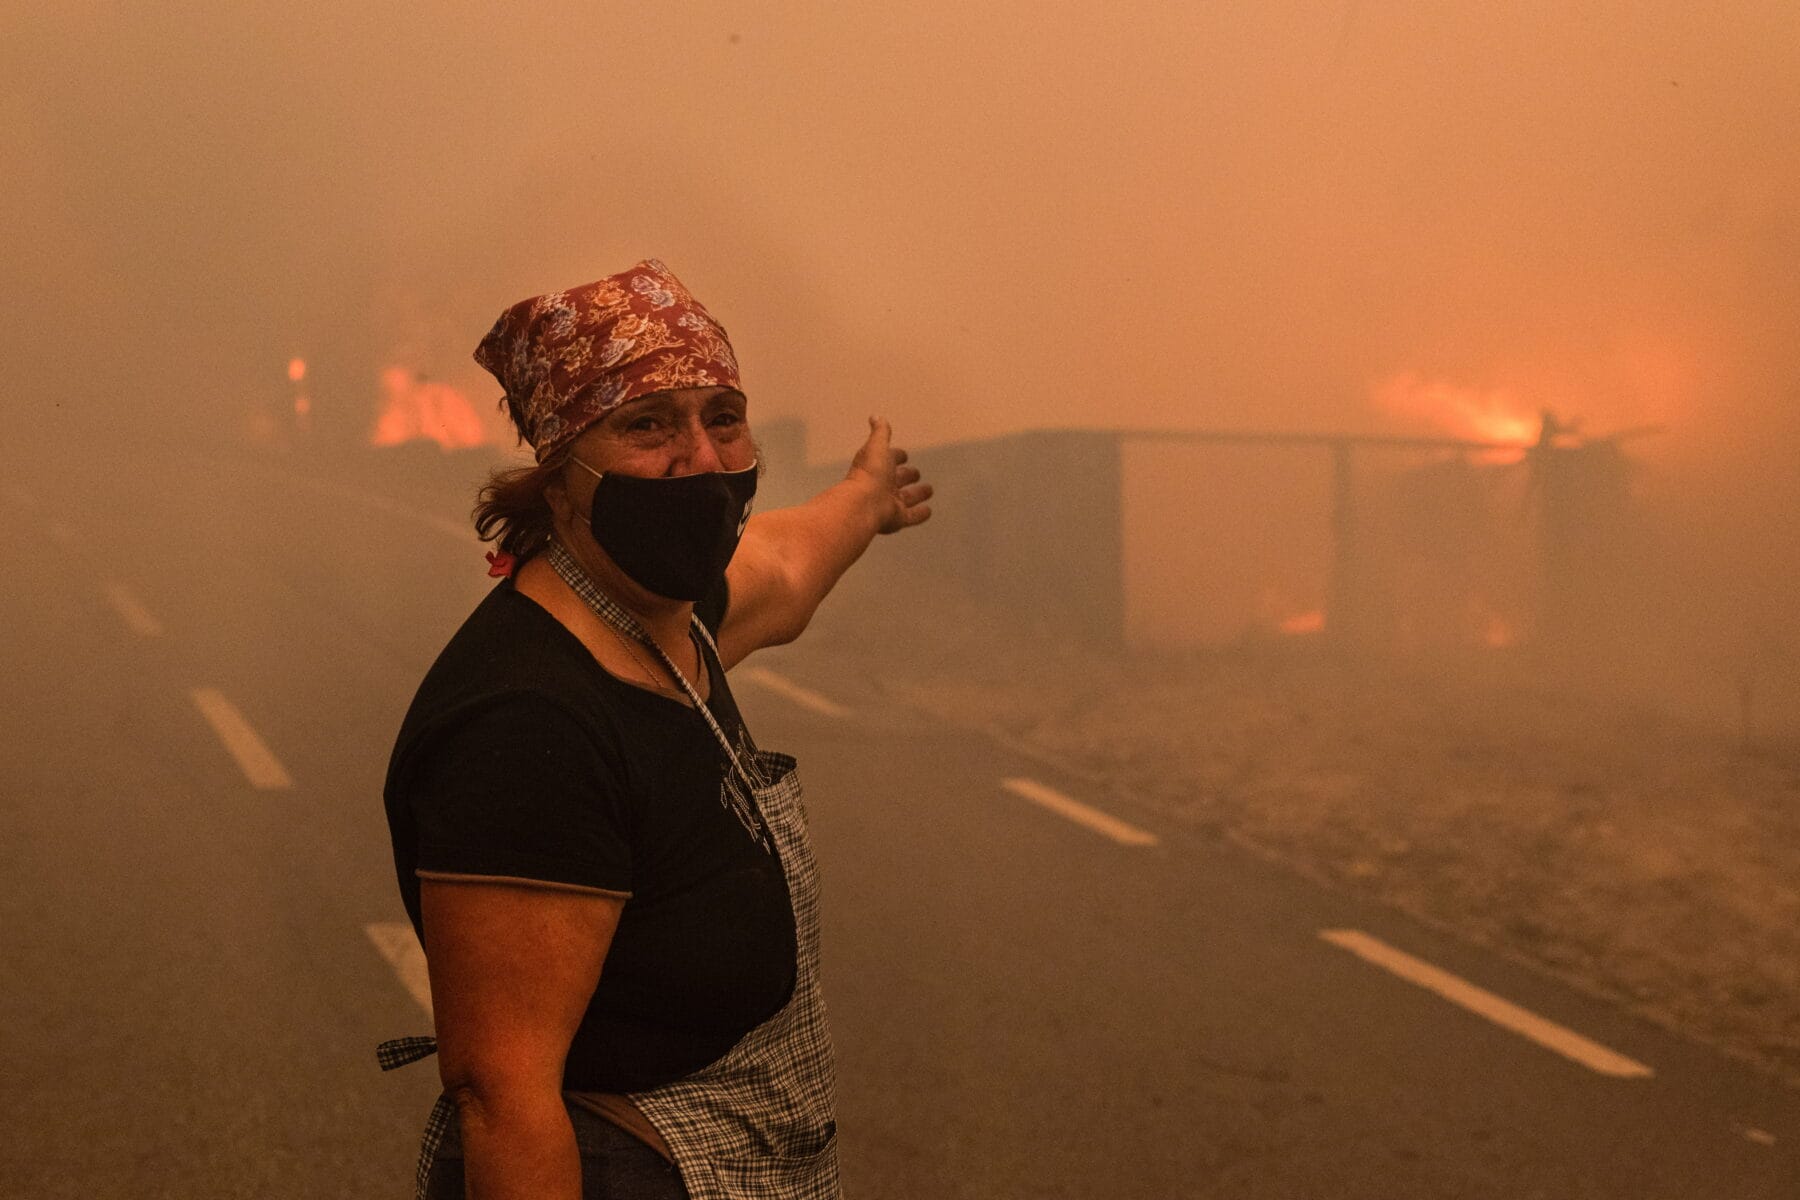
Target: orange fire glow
1306	622
296	369
1483	415
414	407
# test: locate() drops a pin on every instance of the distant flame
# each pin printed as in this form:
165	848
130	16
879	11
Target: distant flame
1280	610
1486	625
1490	415
296	369
413	407
1306	622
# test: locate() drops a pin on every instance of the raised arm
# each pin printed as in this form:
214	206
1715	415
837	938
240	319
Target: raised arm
791	558
512	970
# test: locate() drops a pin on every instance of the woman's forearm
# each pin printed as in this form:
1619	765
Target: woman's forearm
820	539
808	547
791	558
518	1145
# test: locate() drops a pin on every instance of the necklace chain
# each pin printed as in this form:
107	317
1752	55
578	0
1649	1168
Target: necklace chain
645	667
613	616
740	800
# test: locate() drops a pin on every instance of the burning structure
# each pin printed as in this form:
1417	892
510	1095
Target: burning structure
1385	545
416	408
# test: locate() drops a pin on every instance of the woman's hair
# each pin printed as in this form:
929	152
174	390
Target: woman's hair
511	508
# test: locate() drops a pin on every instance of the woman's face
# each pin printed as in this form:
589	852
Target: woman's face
681	432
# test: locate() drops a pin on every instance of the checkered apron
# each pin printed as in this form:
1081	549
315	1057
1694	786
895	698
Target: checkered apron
759	1123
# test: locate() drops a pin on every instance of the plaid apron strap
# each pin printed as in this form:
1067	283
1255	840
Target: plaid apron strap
398	1052
741	801
436	1125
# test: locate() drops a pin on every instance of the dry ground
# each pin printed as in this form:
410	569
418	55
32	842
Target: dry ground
1643	858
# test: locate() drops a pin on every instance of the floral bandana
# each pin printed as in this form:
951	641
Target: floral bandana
569	358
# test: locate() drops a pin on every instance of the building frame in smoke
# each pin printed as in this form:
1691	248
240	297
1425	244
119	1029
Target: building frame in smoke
1361	543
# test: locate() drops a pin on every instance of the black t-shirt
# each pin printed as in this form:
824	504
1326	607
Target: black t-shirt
521	757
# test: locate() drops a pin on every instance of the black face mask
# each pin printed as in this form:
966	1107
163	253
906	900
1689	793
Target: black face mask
673	535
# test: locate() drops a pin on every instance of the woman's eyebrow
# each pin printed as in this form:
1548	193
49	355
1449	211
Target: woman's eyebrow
655	404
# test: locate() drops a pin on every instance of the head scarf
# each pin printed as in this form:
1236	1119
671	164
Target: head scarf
568	358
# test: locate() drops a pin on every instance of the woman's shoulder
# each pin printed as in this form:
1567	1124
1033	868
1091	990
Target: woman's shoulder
510	640
509	659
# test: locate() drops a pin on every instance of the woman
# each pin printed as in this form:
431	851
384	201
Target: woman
612	884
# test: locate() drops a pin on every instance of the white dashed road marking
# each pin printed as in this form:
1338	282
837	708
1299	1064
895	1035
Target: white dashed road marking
1480	1001
254	758
134	614
397	944
1101	823
788	689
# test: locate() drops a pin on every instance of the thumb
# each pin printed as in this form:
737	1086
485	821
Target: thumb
881	435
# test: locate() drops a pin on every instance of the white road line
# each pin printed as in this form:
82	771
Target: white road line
132	612
1104	824
787	688
1504	1013
1761	1137
397	944
260	767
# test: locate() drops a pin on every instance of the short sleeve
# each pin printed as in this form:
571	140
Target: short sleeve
519	790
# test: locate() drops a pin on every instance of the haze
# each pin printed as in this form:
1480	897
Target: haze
976	218
243	247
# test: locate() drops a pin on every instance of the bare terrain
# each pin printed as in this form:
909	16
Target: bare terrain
1643	858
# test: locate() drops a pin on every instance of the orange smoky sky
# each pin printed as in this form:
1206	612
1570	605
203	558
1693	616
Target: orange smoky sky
976	218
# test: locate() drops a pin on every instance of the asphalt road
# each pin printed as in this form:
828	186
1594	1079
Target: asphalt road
205	661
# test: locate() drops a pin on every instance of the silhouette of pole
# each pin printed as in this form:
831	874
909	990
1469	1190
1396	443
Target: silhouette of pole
1342	625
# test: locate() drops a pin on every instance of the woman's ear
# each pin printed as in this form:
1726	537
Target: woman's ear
556	493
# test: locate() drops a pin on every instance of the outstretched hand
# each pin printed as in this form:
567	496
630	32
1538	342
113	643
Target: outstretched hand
901	495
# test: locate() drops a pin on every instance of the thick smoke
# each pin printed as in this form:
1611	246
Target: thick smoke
974	218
